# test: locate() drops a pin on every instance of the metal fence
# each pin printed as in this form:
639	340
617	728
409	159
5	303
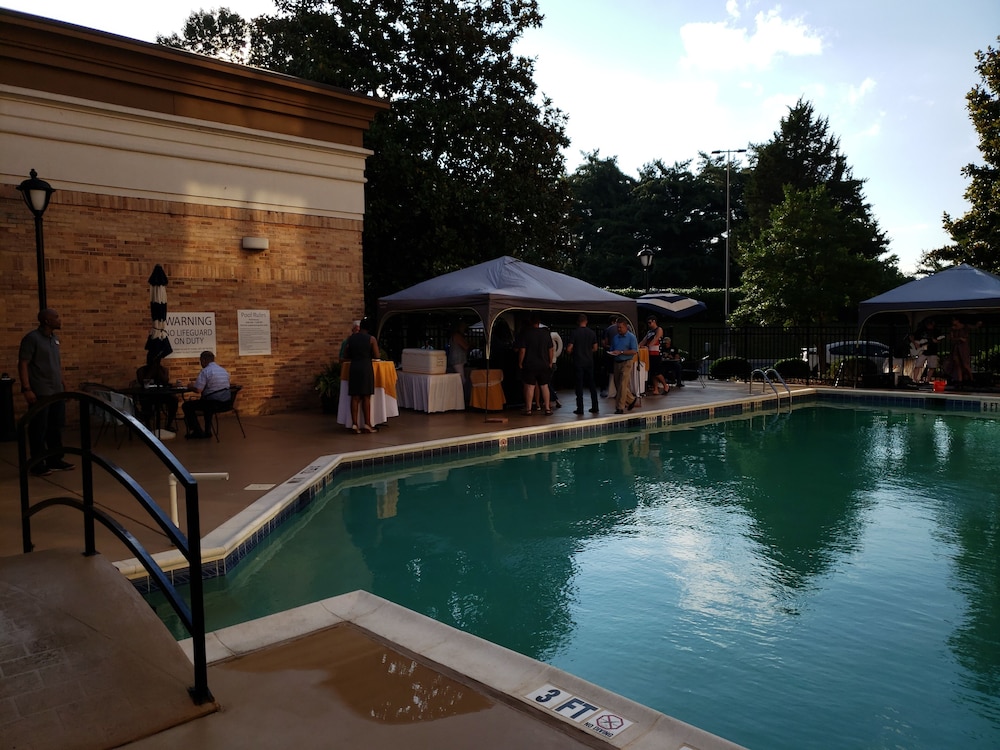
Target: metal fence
761	346
764	347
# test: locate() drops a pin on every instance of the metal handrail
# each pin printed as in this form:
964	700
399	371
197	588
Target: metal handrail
764	376
192	617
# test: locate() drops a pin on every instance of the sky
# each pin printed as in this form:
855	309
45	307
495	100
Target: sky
642	80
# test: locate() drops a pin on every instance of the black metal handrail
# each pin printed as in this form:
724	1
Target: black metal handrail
193	616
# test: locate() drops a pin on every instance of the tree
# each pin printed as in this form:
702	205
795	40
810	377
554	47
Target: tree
977	233
467	165
802	268
221	33
603	229
811	248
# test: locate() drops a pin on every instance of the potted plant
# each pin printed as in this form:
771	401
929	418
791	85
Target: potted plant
328	386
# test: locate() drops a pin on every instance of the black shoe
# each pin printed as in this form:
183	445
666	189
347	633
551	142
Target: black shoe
595	410
41	471
619	411
61	465
632	404
578	411
199	435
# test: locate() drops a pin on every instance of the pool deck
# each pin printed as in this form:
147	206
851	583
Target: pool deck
309	677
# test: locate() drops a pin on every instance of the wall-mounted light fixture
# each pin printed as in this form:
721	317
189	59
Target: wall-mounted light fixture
255	243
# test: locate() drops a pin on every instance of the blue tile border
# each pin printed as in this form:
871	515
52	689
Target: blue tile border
507	441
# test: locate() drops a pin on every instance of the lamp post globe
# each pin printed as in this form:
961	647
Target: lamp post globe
36	194
645	257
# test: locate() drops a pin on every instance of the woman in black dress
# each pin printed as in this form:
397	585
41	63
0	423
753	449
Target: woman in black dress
361	349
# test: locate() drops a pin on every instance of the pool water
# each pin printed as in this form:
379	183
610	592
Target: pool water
825	578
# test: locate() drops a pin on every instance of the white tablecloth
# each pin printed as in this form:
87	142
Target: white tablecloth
430	392
384	404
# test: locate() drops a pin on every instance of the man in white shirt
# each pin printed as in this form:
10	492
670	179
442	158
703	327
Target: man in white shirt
212	384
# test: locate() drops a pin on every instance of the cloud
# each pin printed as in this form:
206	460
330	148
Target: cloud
725	46
856	93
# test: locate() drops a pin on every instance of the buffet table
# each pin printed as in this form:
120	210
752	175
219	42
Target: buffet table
384	403
431	393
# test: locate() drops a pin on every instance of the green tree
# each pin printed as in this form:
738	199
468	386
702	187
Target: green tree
803	203
680	214
977	233
467	163
603	234
803	267
219	33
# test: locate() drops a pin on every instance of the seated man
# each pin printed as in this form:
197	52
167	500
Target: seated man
212	385
671	362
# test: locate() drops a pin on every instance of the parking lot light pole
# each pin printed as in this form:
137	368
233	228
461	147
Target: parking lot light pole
729	160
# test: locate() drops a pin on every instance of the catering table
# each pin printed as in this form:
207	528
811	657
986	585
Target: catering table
157	400
487	394
383	400
640	374
431	393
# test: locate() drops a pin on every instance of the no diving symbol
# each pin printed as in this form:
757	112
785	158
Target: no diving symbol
609	722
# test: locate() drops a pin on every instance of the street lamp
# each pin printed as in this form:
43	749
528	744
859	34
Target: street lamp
645	257
729	160
36	194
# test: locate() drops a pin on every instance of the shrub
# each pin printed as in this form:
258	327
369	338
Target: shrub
727	368
796	368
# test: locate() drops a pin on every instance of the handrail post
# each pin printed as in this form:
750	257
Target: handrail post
87	479
200	693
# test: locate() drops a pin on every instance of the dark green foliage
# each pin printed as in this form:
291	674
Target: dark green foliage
792	368
728	368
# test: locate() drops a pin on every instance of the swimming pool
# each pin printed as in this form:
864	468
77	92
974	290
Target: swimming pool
824	578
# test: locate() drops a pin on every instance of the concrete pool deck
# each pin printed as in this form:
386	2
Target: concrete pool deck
294	678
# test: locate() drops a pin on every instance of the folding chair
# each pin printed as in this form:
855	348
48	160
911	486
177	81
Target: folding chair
234	391
118	400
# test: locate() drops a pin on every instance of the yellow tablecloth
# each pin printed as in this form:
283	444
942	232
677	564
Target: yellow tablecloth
385	375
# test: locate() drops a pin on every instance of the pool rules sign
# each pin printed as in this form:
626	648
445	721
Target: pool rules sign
590	716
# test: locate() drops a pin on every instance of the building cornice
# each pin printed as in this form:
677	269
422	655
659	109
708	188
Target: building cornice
60	58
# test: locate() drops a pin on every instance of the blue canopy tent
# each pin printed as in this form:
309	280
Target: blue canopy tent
503	285
959	289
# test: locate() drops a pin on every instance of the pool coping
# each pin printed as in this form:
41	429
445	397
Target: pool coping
499	672
227	545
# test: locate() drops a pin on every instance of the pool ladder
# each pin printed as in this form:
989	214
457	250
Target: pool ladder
765	378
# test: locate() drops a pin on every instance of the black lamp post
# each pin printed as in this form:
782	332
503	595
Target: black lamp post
36	194
729	160
645	257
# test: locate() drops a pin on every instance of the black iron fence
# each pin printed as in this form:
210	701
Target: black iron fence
887	347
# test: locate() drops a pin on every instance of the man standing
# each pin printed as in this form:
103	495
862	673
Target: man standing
212	385
624	347
583	345
39	365
535	363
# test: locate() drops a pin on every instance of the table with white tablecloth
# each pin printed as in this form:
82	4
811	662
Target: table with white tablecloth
430	393
384	403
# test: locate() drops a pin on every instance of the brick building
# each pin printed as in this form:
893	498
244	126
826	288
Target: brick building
161	156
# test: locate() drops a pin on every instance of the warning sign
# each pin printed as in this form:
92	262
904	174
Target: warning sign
589	715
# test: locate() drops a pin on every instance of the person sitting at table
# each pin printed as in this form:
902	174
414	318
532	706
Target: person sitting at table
212	385
361	349
150	374
671	361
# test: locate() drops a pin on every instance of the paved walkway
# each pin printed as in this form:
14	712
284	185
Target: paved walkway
317	691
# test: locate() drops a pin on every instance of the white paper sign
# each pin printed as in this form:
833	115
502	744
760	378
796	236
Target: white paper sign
255	331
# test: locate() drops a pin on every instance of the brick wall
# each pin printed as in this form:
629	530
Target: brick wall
101	249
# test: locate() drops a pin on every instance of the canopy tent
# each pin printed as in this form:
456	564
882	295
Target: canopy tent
503	285
960	288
